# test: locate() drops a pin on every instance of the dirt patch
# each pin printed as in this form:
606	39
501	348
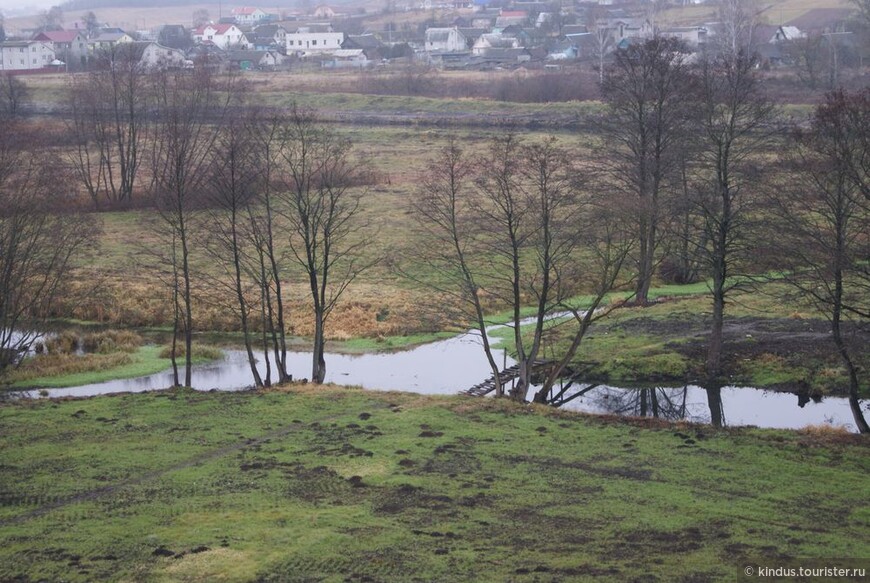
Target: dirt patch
548	463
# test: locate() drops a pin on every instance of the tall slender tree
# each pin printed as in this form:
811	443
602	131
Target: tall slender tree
322	209
825	230
738	126
187	103
650	95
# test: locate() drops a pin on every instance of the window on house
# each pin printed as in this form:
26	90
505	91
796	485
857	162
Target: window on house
314	43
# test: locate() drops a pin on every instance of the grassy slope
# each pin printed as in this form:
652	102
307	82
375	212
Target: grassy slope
344	485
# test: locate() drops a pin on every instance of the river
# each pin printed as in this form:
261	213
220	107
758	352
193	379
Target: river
449	366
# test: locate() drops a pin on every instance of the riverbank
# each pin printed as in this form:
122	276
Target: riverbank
333	484
767	344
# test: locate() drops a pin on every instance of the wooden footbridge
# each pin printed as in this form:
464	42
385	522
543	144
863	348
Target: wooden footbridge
506	376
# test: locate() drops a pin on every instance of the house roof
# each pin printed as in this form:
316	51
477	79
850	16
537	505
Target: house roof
244	10
20	43
821	18
58	36
348	53
218	28
514	14
268	29
108	37
365	41
438	35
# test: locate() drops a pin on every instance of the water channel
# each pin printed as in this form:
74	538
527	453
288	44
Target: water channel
449	366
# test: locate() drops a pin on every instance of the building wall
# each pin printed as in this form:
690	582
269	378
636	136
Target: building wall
314	41
23	57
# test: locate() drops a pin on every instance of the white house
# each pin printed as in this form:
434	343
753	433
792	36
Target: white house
445	40
786	33
223	36
691	35
348	59
493	41
312	39
156	56
25	55
249	15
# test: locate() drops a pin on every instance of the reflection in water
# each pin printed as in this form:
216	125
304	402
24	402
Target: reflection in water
720	406
452	365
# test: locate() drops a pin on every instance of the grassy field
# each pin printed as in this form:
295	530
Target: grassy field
321	484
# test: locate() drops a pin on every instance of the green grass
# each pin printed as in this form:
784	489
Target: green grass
769	343
346	485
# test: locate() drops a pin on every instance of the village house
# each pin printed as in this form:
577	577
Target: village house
487	42
148	55
348	59
70	46
223	36
314	39
445	40
154	56
324	12
249	15
693	36
267	37
108	40
25	55
509	17
254	60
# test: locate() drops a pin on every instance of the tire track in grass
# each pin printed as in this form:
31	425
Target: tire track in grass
96	493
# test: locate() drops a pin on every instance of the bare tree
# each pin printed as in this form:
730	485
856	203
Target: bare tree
807	54
268	271
51	19
443	210
39	240
737	124
13	94
109	126
323	212
187	103
604	41
200	17
826	234
737	22
231	194
650	95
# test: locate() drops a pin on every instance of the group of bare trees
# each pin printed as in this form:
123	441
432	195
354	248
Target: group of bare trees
40	238
680	173
274	200
271	199
517	225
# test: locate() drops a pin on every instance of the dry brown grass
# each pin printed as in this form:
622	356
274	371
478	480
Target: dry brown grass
56	365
